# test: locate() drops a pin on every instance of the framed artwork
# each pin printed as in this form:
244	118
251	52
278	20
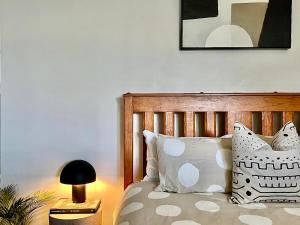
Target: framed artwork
235	24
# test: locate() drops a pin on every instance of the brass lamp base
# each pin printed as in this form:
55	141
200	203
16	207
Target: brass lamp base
78	193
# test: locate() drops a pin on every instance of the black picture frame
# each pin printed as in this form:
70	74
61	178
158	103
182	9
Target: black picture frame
182	48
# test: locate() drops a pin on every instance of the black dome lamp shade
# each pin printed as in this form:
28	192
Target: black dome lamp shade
78	173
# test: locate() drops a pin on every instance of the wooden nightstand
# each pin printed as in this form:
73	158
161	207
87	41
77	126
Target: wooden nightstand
76	219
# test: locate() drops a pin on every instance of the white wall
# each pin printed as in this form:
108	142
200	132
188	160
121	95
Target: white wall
66	63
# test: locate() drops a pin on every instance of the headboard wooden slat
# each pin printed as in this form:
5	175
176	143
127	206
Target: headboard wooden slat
236	106
287	116
168	126
267	123
148	121
189	124
210	124
243	117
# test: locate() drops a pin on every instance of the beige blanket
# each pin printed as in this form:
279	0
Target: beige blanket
142	206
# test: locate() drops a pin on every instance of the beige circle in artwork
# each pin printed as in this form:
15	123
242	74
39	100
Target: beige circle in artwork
207	206
132	207
168	210
188	175
229	36
255	220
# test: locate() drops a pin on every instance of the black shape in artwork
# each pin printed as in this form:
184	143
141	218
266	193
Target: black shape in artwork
276	31
195	9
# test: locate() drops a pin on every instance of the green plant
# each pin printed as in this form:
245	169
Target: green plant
16	210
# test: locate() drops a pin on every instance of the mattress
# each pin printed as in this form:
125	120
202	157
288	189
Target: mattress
142	206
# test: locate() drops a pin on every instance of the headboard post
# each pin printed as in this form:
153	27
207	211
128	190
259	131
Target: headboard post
128	140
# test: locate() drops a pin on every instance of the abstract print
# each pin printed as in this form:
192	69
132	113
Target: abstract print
235	24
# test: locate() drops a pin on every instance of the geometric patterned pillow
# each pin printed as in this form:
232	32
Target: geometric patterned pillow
286	139
263	174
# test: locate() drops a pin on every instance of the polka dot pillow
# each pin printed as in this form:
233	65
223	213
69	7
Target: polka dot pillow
263	172
194	164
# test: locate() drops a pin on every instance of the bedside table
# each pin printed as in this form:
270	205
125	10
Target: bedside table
76	219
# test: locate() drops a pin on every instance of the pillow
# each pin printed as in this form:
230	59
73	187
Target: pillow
286	139
261	174
152	161
194	164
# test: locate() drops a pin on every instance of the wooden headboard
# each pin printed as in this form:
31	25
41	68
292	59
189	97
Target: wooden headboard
236	106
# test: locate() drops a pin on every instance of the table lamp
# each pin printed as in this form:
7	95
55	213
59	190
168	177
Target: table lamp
78	173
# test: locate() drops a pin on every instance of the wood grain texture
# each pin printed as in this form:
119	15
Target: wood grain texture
216	103
242	117
236	106
287	117
128	141
210	124
168	126
189	124
267	123
148	121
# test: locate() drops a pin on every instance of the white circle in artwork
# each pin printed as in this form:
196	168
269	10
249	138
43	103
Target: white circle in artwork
224	159
132	192
253	206
158	195
229	36
293	211
168	210
185	222
215	188
124	223
207	206
174	147
188	175
132	207
255	220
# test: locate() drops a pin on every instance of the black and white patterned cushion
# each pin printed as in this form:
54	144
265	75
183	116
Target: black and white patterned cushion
286	139
262	173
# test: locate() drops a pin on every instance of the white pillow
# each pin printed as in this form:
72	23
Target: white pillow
152	160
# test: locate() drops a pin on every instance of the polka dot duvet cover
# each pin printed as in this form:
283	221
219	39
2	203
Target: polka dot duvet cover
141	205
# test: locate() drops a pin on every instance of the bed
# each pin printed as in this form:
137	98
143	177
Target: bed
142	205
